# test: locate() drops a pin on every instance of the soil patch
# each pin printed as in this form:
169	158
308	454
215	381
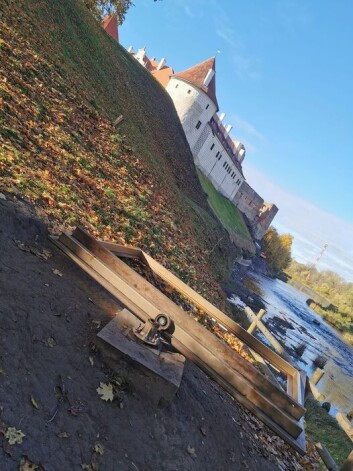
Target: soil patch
50	311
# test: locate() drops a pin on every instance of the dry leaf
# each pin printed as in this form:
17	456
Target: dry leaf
98	448
57	272
106	391
63	435
34	403
96	323
191	452
91	361
14	436
26	465
49	342
2	196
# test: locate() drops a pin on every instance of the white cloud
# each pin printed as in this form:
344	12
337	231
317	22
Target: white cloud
310	226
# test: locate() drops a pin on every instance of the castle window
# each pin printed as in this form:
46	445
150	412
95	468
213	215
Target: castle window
207	106
224	164
177	85
198	123
212	146
217	154
189	91
219	158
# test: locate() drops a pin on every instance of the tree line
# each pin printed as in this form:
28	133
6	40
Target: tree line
333	287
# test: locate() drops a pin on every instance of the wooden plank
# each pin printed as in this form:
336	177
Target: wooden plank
345	425
316	393
317	375
137	303
253	325
214	312
326	457
236	361
261	326
348	464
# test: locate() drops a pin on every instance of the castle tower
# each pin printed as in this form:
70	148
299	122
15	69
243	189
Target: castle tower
193	92
110	24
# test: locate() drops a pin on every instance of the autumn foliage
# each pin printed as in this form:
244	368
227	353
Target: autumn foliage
277	249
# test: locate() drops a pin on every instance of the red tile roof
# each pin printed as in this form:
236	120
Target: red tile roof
163	75
196	76
110	24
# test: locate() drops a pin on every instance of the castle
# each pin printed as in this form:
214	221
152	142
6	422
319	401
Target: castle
216	154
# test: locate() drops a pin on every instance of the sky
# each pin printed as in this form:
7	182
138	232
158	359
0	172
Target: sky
284	78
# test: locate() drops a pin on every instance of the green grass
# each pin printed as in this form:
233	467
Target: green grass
321	427
227	213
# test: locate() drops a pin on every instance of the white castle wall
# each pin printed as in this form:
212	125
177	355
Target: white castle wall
216	164
193	106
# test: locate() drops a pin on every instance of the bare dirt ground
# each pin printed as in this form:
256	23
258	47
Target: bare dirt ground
50	311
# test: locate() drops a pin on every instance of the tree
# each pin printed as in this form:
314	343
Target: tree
101	8
277	249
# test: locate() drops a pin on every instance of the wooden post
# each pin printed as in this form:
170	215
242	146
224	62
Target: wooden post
274	342
316	393
345	424
118	120
317	375
253	325
326	457
348	464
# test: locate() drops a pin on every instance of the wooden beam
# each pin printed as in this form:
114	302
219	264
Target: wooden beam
261	326
326	457
345	425
153	295
253	325
348	464
211	310
317	375
137	303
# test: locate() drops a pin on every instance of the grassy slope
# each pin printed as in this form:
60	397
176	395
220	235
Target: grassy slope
228	214
321	427
67	81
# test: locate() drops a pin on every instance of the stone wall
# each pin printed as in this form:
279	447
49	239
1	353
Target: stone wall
264	220
248	202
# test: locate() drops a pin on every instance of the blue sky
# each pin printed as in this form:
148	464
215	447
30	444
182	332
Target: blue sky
284	79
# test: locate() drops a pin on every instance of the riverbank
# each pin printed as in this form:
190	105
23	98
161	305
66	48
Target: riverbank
291	322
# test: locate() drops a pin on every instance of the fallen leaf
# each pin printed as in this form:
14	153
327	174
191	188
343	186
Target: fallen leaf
91	361
45	254
57	272
34	403
203	430
96	323
27	465
49	342
63	435
105	391
98	448
191	452
14	436
2	196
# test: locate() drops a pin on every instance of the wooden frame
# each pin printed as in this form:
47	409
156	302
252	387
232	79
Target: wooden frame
246	384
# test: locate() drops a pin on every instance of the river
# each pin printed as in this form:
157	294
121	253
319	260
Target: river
293	323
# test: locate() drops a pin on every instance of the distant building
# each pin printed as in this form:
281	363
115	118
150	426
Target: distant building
219	157
110	24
